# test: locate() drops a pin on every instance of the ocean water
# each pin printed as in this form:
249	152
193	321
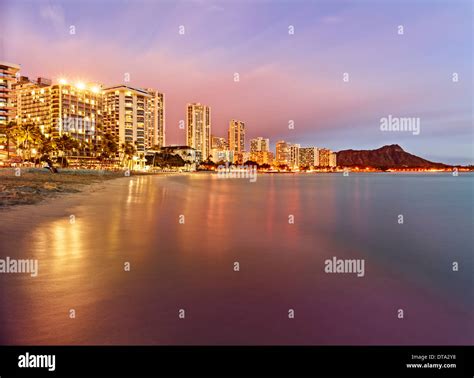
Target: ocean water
183	235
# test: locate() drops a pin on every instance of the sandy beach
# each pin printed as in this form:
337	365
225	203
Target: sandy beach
33	185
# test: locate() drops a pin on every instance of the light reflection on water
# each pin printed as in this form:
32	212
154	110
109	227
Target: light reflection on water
190	265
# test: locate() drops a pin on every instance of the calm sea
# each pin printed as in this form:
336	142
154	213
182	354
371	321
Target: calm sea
183	235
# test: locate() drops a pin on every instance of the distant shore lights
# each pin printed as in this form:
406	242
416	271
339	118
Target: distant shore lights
237	171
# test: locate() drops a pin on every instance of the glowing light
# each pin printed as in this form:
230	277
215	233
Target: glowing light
80	85
62	81
95	89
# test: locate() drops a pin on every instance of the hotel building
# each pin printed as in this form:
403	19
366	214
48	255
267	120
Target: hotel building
8	72
262	157
33	103
259	144
155	129
294	161
76	109
198	128
327	158
220	150
260	151
219	156
333	159
282	155
218	143
309	157
124	115
237	139
62	108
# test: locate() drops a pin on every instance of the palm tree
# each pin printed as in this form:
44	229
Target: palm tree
26	135
46	146
87	147
127	152
65	144
7	134
108	146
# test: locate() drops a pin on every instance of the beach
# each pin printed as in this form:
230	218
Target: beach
32	185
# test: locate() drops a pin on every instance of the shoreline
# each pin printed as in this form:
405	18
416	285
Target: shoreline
34	185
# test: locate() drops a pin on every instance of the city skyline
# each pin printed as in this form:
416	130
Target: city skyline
304	84
133	115
229	174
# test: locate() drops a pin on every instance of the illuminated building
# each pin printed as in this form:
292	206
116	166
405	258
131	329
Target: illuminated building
8	72
309	157
262	157
294	160
62	108
76	109
198	128
259	144
33	103
220	150
218	155
124	115
155	128
218	143
282	155
244	156
333	159
237	138
324	157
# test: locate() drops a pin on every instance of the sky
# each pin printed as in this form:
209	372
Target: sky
283	77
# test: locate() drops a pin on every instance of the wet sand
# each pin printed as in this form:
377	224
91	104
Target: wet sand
31	185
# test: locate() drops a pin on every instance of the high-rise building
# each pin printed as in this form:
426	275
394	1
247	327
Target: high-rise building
76	109
85	110
155	127
124	115
333	159
324	155
294	161
62	108
222	156
198	128
237	136
309	157
282	155
218	143
259	144
8	72
33	103
262	157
